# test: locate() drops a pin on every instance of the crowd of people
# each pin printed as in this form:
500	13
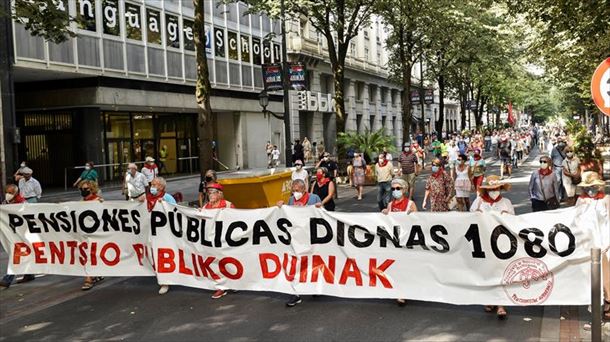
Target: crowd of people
459	179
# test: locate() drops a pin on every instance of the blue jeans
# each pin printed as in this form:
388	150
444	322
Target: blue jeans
558	171
383	194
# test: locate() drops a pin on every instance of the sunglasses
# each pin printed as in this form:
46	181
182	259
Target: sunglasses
397	188
543	162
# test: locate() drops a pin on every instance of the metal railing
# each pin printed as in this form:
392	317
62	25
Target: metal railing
96	165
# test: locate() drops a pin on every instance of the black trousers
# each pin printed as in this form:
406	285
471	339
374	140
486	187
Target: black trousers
538	205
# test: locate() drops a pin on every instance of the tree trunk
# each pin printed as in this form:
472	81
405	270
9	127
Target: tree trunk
498	122
407	115
441	103
203	90
463	98
339	79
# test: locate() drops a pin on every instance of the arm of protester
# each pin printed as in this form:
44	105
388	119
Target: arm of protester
331	193
423	205
280	204
76	182
476	205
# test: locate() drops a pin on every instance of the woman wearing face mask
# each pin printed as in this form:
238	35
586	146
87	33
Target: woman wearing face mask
385	172
400	203
490	199
88	174
439	188
88	191
359	172
478	169
324	188
592	194
463	183
571	175
300	173
542	187
208	179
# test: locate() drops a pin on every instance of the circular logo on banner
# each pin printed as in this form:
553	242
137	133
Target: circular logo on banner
600	87
527	281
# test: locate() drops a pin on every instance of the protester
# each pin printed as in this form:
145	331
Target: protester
409	163
298	151
208	178
358	174
324	188
307	150
135	184
592	192
29	186
216	200
88	191
388	155
300	173
157	194
557	156
332	168
436	147
452	155
542	187
463	183
18	174
12	196
439	188
504	152
150	170
88	174
300	198
491	199
385	172
571	175
400	203
478	169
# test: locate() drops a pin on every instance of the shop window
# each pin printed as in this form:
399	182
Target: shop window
117	126
142	126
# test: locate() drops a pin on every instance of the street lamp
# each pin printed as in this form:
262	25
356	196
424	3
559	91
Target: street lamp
263	101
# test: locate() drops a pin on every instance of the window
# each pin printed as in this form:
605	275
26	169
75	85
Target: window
366	54
352	48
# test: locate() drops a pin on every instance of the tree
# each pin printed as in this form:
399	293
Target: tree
339	21
405	22
48	19
369	143
203	91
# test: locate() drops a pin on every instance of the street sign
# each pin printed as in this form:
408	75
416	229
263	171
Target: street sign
296	72
429	96
272	76
600	87
415	97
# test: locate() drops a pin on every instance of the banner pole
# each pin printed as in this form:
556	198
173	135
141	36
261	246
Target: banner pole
596	319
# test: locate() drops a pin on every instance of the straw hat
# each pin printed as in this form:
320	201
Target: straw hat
591	178
493	183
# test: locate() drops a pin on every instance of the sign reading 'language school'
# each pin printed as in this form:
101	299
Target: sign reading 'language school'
460	258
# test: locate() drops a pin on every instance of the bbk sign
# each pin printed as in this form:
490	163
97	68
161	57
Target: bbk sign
315	102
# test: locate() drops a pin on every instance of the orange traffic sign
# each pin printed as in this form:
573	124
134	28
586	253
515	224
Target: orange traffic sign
600	87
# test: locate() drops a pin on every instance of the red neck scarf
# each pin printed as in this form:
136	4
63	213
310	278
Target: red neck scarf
150	166
600	195
401	204
385	162
438	173
18	199
477	157
91	197
545	172
152	200
323	181
301	202
220	204
485	197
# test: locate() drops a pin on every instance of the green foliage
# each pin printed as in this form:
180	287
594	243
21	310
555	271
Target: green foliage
583	142
368	143
48	19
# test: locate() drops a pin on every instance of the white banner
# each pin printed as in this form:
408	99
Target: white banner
458	258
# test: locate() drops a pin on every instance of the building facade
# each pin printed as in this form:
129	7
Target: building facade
123	88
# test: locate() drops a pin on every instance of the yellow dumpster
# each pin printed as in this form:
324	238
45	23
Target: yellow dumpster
256	188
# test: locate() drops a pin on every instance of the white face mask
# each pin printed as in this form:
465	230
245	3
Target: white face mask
22	164
297	195
494	194
9	197
87	167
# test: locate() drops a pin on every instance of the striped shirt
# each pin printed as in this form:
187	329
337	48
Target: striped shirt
408	162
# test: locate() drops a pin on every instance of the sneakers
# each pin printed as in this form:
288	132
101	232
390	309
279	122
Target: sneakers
219	294
163	289
294	301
